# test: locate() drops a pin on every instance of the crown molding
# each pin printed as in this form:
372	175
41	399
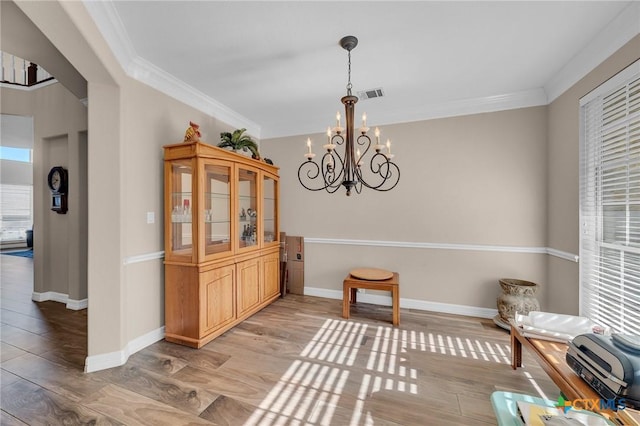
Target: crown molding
151	75
507	101
615	35
106	17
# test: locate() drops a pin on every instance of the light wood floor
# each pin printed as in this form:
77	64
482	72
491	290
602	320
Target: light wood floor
296	362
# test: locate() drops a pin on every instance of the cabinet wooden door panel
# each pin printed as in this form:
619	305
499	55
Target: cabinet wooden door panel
271	281
248	284
217	297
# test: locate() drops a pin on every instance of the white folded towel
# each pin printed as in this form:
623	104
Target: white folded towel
557	327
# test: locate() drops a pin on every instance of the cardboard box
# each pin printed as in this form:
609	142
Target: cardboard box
295	264
295	249
295	275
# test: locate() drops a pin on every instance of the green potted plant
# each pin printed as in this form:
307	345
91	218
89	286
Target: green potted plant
239	142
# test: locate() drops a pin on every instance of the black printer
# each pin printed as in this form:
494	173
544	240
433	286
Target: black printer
609	364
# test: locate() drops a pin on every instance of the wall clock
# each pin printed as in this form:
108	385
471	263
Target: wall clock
58	184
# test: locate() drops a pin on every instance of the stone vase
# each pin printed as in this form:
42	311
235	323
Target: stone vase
517	296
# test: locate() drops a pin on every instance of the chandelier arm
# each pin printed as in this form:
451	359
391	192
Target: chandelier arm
383	160
338	140
332	189
391	176
329	173
341	167
311	174
363	140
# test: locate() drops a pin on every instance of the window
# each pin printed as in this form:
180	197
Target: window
15	154
610	202
15	212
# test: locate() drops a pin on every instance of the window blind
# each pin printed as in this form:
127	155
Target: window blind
610	202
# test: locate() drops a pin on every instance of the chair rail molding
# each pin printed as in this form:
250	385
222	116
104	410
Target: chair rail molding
446	246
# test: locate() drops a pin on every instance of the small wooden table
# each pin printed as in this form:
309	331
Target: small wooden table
351	285
551	357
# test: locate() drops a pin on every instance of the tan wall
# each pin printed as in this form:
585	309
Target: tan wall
152	120
563	169
55	227
472	180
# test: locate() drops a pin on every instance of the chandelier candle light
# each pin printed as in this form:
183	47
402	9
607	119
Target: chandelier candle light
336	169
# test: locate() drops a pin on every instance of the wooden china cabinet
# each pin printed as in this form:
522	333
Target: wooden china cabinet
221	240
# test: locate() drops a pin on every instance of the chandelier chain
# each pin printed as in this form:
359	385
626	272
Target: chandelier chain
349	86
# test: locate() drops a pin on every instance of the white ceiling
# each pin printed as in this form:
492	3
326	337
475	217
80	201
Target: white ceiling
279	69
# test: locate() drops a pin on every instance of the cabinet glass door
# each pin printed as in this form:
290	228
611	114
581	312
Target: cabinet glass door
217	209
247	208
269	198
181	191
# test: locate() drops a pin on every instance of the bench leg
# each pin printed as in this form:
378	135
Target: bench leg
345	301
395	300
354	293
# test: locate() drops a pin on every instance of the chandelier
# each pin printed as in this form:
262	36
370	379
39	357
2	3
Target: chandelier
344	162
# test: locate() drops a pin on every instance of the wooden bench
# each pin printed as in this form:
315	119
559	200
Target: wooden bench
352	283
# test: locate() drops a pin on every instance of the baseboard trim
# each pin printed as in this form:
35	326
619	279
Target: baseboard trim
77	305
422	305
54	296
49	295
115	359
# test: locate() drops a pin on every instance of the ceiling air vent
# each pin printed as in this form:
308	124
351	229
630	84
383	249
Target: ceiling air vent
370	94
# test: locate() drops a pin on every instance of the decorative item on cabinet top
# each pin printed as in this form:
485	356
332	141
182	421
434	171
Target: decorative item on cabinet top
193	133
239	142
